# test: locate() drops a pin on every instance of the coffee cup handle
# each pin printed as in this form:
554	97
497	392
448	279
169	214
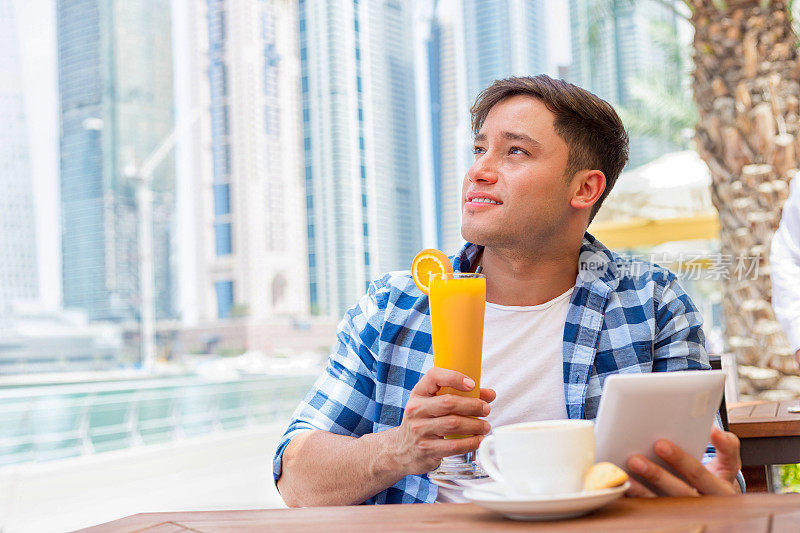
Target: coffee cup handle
485	456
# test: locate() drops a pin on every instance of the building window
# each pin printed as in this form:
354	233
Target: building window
227	152
222	199
216	27
224	291
312	293
222	238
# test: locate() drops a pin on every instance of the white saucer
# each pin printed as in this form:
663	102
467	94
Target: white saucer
556	507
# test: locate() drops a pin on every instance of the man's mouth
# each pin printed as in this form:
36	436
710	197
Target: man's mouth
481	201
484	201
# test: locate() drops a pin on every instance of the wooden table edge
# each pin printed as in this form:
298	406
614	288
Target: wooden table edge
772	504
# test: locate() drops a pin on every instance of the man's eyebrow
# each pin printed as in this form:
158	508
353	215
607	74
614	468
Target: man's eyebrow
511	136
520	137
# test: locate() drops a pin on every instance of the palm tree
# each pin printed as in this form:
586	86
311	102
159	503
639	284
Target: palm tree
661	106
747	88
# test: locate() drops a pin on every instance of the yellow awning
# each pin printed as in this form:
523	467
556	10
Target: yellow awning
639	232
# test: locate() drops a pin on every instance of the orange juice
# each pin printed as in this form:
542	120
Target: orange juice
457	302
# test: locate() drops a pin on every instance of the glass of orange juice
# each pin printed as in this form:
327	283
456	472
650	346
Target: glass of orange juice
457	303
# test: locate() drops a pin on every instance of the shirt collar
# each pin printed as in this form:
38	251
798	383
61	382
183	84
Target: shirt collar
597	267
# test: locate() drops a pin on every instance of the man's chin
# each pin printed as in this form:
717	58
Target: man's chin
475	235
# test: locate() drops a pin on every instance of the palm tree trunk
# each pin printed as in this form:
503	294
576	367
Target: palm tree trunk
747	88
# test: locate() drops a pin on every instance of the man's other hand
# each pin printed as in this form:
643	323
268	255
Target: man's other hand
418	443
717	477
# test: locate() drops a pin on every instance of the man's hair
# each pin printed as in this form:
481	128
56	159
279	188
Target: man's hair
588	124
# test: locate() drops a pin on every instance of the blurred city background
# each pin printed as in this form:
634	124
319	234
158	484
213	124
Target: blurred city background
192	192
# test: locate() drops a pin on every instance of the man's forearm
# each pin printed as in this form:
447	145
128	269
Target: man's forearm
322	468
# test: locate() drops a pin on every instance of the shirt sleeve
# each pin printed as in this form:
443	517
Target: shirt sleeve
342	399
784	261
679	342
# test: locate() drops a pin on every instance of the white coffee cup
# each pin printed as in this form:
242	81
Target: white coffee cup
539	458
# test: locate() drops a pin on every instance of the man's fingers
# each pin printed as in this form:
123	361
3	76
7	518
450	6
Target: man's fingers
488	395
692	470
436	378
448	404
637	490
448	447
658	478
458	425
727	447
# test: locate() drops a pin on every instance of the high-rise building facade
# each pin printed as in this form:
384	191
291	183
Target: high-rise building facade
471	44
612	45
116	109
249	192
18	267
359	145
503	38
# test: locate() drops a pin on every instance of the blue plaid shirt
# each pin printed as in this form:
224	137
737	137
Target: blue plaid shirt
625	316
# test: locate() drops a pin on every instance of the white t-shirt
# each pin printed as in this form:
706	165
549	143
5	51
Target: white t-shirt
523	362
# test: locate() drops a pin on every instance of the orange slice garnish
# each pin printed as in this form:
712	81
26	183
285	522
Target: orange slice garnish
427	262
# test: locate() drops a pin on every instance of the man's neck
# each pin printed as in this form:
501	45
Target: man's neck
529	278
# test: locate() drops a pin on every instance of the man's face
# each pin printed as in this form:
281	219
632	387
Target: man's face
519	163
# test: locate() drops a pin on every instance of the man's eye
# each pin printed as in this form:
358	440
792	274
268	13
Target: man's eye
516	150
477	150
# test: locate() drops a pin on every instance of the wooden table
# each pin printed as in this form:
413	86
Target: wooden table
755	513
769	433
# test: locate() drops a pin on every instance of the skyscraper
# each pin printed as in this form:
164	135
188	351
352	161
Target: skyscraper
612	45
116	98
503	38
250	212
471	44
18	267
360	148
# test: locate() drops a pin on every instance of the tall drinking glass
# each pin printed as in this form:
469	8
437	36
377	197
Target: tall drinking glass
457	304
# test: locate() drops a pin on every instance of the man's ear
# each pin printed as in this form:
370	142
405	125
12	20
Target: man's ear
588	187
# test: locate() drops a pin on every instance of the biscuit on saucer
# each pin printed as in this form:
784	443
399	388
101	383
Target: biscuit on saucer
604	476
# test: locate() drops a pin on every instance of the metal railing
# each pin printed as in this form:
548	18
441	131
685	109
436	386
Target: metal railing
54	422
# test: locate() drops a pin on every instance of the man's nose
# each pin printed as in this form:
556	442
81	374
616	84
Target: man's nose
484	169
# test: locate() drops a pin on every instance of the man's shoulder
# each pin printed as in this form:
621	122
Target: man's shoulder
621	272
639	271
394	286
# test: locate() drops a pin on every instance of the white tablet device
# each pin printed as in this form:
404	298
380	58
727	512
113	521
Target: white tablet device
638	409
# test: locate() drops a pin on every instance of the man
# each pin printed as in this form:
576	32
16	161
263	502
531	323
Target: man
546	155
784	261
